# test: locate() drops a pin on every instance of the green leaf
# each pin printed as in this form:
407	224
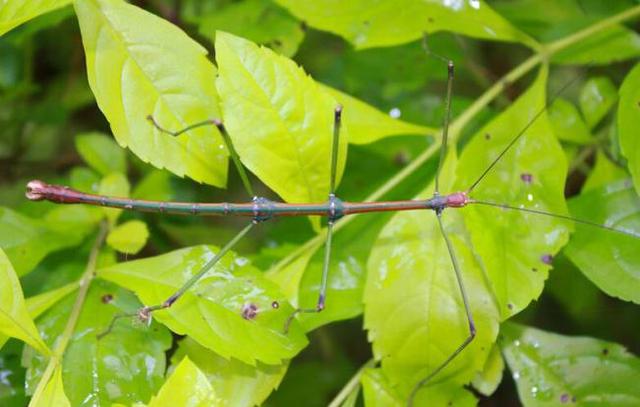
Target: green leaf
27	241
40	303
186	386
280	120
614	44
14	317
487	381
139	65
129	237
597	97
84	179
52	394
552	370
15	12
516	246
414	310
125	365
366	124
212	311
101	153
114	185
389	22
603	172
380	392
567	123
629	122
609	259
235	383
257	20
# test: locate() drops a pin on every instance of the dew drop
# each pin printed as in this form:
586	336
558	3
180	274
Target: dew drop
107	298
564	397
395	113
547	259
516	343
510	306
516	375
275	305
534	391
529	197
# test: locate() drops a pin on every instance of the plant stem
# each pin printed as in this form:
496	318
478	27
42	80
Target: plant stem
84	283
459	123
350	386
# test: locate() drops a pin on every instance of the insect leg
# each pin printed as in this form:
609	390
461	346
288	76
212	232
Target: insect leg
467	310
333	215
145	312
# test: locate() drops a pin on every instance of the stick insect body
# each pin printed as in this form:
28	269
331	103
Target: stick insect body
261	209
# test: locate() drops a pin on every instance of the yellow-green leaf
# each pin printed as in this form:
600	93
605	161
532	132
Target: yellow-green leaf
129	237
187	386
389	22
52	394
116	185
139	65
14	317
367	124
15	12
280	120
629	123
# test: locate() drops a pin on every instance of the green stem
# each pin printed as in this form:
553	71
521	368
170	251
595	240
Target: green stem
459	124
85	283
351	385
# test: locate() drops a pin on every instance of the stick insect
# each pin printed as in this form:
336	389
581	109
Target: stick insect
261	209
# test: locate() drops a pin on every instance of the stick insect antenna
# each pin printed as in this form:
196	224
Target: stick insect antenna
513	141
335	213
227	141
557	216
145	312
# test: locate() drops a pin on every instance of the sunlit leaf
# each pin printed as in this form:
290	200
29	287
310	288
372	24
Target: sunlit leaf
52	393
379	392
14	317
516	247
257	20
366	124
139	65
617	43
603	172
280	120
84	179
232	310
597	97
15	12
487	381
101	153
389	22
609	259
129	237
629	122
553	370
27	241
567	123
125	365
413	306
235	383
186	386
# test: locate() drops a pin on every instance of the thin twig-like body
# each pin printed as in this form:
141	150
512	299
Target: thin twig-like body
260	208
